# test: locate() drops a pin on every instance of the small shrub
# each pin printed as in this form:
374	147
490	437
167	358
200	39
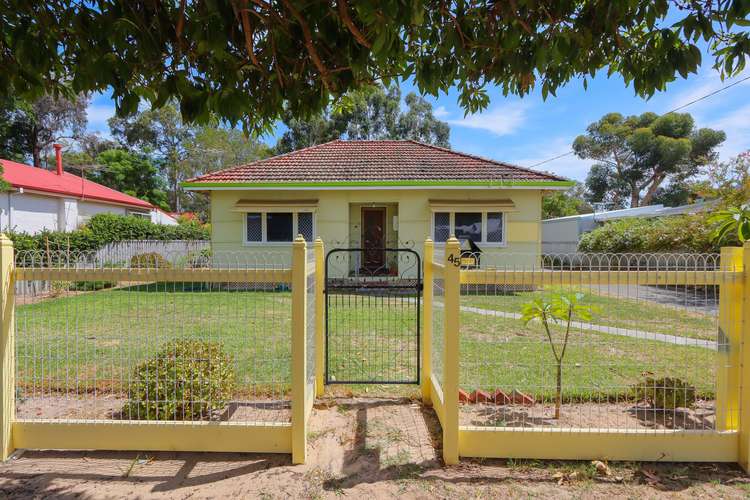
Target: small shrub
57	288
187	380
149	260
665	392
90	286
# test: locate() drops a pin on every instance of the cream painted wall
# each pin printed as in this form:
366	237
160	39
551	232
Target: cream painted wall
332	219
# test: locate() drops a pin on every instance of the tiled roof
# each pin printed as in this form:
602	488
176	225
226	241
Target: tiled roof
373	161
67	184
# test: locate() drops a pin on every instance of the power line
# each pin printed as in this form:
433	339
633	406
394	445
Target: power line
710	94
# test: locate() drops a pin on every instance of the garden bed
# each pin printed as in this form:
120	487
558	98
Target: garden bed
590	416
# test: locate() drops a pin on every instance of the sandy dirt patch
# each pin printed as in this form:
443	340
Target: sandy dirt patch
358	448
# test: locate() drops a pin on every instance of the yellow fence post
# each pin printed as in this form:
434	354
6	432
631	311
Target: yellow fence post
7	355
427	298
744	362
299	347
452	299
730	338
320	284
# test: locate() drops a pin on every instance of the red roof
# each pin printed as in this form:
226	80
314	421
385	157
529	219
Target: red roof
365	161
67	184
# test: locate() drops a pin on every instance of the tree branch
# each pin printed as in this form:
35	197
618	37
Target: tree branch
307	34
344	13
247	30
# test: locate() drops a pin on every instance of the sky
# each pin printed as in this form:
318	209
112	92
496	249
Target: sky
528	130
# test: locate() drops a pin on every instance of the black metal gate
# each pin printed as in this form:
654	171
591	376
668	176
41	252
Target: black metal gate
373	299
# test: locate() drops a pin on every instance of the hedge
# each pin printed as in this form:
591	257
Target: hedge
103	229
681	233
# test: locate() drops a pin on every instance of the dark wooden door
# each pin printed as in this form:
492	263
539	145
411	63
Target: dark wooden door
373	239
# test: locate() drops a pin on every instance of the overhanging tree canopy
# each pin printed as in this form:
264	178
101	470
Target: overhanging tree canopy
248	60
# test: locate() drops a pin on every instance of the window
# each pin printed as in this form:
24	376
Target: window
305	225
254	227
442	226
468	226
479	227
278	227
494	227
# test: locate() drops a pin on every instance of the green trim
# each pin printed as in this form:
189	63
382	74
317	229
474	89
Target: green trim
488	183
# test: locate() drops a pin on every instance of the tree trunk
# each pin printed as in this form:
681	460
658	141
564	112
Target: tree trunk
558	396
635	196
649	196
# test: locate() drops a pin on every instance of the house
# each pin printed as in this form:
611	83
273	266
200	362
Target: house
377	194
562	234
60	201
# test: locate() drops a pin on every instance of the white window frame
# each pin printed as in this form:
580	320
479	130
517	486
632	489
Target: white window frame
452	226
263	227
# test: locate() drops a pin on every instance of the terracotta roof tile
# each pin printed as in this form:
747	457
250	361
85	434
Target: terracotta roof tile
363	161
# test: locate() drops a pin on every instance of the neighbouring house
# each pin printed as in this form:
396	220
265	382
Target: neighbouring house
377	194
562	234
41	199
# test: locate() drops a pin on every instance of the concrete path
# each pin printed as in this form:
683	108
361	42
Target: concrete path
612	330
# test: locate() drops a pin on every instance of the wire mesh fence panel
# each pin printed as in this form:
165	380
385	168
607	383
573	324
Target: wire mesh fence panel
150	339
310	313
372	316
576	341
438	328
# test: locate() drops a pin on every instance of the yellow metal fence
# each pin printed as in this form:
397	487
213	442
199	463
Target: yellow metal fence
89	344
652	365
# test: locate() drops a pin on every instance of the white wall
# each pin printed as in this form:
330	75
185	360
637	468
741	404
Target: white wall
88	209
32	213
159	217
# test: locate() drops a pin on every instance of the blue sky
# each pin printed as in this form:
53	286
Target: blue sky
528	130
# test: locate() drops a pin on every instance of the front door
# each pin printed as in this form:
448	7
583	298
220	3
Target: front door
373	240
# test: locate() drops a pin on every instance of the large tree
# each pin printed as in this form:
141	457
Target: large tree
160	133
130	173
636	155
214	147
565	203
28	129
249	60
371	113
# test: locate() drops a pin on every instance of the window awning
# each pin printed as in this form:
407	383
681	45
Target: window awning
275	205
500	205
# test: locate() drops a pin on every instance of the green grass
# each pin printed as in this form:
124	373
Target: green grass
94	340
98	338
640	315
503	353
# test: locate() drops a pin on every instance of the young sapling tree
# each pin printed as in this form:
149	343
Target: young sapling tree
561	308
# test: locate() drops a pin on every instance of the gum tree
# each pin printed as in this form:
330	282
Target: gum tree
560	309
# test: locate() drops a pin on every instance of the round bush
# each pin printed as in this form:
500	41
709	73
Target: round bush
665	393
149	260
186	380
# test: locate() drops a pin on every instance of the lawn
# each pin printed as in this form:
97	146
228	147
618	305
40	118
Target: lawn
635	314
92	341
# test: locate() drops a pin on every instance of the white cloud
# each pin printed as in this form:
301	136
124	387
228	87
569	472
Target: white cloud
98	114
706	82
501	120
736	124
440	112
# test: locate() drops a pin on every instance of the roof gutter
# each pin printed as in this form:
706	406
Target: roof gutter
333	185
